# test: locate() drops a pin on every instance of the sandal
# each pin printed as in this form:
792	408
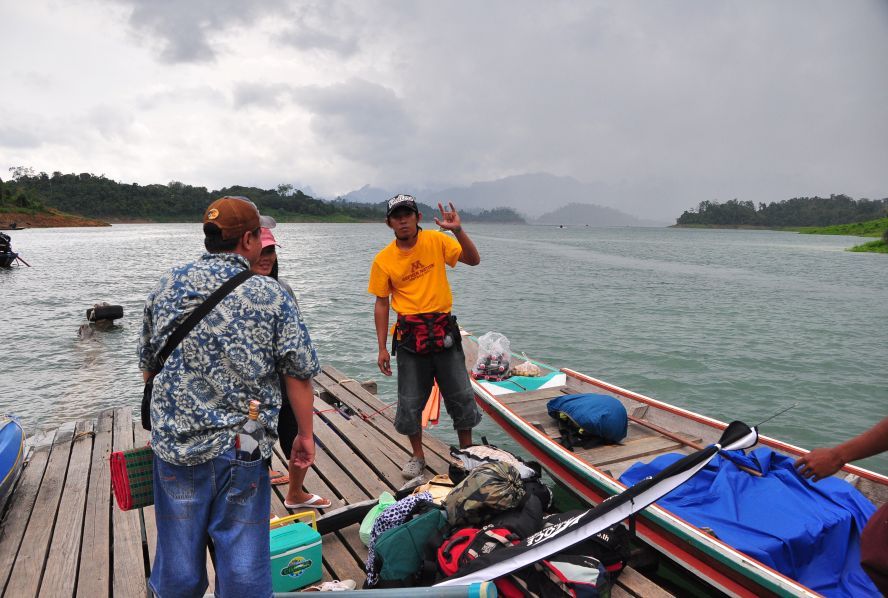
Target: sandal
314	502
278	477
332	586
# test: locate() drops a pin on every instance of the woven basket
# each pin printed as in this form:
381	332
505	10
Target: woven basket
132	478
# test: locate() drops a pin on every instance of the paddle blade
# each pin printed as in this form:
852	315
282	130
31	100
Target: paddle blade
432	409
738	436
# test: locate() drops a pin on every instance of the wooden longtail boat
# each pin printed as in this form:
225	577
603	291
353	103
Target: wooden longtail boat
654	428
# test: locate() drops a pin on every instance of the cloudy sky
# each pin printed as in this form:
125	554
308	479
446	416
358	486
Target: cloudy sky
669	103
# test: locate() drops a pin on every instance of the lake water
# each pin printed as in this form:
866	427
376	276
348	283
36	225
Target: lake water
731	324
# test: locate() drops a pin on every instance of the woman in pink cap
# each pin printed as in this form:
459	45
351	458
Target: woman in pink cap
267	265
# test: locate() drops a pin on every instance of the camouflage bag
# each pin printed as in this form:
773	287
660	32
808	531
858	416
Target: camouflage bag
487	490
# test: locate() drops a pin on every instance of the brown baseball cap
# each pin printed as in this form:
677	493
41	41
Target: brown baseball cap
235	215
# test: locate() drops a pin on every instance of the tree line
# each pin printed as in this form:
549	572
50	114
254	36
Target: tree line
798	211
96	196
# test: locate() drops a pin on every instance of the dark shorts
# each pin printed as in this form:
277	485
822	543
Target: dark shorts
287	426
416	376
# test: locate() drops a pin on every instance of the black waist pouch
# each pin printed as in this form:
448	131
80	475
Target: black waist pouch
146	403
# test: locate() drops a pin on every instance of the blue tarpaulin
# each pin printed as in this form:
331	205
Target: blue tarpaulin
808	531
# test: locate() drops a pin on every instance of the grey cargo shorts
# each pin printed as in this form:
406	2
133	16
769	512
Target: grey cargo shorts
416	376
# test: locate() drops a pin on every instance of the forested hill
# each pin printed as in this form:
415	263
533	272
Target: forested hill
798	211
98	197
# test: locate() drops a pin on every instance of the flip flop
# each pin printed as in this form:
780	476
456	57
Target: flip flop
314	502
278	477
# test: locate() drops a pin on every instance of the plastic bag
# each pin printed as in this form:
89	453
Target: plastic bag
385	501
527	368
492	362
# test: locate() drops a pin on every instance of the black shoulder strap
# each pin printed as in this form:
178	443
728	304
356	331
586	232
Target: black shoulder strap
198	314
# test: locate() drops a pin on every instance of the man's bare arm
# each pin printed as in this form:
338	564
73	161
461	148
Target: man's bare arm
823	462
381	320
302	402
451	221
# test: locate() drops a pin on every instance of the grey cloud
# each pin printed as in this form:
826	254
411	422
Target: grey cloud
314	39
660	105
360	120
203	94
262	95
190	31
19	137
324	26
108	121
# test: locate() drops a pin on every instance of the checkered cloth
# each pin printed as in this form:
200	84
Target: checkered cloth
132	477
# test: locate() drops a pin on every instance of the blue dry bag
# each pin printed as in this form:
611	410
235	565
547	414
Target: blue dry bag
593	415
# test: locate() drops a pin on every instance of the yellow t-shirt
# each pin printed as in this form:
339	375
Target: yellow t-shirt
416	279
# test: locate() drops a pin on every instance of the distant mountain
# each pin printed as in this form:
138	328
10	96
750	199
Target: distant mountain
530	194
368	194
533	195
578	214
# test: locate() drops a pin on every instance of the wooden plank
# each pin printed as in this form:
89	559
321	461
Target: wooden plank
529	396
351	538
28	570
618	592
381	459
20	508
128	569
61	566
94	579
637	584
336	450
399	447
532	410
618	468
382	417
612	453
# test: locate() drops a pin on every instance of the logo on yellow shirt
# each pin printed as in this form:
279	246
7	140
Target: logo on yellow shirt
417	269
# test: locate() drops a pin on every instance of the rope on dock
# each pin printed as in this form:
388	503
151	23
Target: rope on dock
375	413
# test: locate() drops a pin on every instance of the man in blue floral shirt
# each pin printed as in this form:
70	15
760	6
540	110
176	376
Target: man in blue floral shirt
200	400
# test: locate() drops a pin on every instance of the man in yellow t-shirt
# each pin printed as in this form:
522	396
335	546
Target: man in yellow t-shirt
411	271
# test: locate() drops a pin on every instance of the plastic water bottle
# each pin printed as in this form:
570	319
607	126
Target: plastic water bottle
250	436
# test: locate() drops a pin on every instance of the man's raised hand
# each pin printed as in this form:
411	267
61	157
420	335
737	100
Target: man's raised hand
448	220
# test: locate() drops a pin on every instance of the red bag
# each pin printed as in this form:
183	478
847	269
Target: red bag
132	477
467	544
426	333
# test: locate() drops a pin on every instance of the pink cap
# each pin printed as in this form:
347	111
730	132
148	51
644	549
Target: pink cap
267	238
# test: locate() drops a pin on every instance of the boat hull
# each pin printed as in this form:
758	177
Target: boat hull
12	456
704	556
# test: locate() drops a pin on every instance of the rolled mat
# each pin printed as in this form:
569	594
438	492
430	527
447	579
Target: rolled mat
132	478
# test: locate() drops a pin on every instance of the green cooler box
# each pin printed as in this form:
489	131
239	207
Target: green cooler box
295	552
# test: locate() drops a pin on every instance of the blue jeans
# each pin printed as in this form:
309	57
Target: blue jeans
223	499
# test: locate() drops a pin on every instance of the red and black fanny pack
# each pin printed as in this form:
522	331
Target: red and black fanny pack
425	333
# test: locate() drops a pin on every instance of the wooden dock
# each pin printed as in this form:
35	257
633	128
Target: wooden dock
61	534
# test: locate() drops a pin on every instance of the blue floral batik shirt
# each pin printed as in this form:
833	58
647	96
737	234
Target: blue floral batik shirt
201	396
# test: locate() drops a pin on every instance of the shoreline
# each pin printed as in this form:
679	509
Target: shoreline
15	220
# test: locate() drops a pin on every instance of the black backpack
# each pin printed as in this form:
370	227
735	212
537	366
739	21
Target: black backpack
611	546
